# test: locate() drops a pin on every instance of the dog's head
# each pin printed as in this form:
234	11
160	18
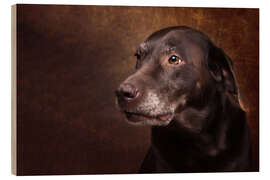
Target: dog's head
176	67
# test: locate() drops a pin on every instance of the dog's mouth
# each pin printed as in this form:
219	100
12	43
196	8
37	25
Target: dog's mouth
139	117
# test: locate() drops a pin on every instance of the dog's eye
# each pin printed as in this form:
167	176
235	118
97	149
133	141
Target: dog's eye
138	56
174	60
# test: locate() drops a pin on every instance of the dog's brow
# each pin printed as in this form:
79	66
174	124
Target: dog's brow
142	49
143	46
169	49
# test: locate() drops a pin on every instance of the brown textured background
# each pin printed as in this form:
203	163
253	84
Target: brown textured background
72	58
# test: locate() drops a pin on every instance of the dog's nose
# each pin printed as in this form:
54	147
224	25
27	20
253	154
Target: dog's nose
127	91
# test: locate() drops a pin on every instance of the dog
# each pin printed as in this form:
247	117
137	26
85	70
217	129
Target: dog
185	88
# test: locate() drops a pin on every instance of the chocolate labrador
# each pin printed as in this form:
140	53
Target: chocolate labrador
185	88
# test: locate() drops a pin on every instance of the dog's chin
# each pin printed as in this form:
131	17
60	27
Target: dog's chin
144	119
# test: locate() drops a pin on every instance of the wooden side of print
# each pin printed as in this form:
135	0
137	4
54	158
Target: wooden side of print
13	91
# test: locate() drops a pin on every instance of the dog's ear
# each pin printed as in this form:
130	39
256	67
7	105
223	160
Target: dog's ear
221	69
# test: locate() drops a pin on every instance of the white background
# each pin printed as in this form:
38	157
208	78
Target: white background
5	85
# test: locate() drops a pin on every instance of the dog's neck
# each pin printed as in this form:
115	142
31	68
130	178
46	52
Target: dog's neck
205	127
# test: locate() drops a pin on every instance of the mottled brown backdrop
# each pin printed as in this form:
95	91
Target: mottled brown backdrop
72	58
